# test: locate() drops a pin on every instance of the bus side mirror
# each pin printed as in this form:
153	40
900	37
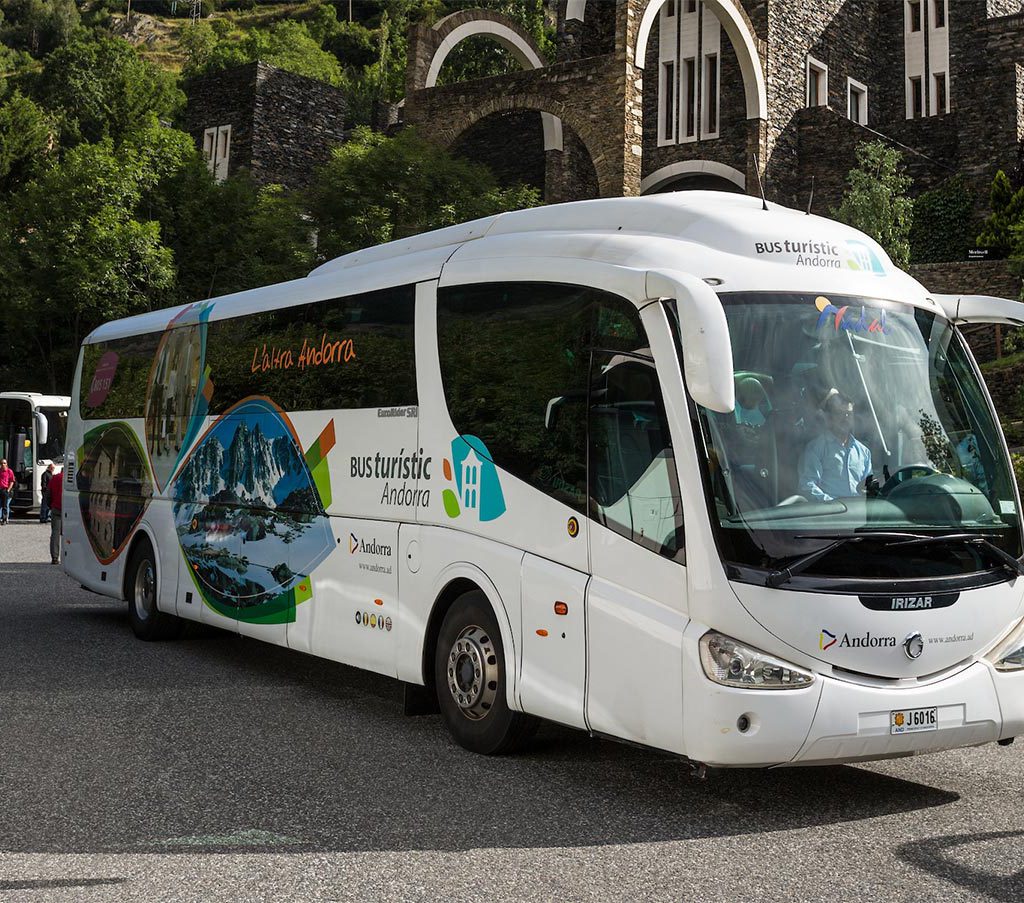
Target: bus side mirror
707	349
42	429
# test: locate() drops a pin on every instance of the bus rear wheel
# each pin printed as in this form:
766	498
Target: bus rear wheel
470	679
148	622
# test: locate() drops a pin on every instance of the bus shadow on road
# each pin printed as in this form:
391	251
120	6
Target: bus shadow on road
253	742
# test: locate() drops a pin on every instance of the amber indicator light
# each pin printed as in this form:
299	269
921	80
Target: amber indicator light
542	633
561	608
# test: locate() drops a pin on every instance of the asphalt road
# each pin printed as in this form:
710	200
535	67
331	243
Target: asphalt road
217	768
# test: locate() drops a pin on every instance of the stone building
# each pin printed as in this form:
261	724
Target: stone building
654	95
277	125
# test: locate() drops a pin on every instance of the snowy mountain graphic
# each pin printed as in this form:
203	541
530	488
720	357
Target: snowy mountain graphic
242	461
249	513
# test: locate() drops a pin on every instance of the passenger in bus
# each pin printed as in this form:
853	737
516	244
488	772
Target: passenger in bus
752	405
835	464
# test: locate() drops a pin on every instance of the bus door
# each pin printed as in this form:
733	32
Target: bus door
636	597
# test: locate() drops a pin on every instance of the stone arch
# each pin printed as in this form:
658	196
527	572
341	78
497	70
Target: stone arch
688	168
600	148
741	33
458	27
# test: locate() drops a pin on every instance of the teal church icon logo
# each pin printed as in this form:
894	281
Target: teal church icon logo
475	490
862	258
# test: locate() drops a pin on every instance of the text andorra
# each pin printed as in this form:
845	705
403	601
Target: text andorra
868	641
340	351
396	467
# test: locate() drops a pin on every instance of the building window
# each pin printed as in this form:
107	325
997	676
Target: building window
670	8
817	83
690	7
690	93
711	95
217	150
941	96
914	15
857	102
668	101
939	16
916	98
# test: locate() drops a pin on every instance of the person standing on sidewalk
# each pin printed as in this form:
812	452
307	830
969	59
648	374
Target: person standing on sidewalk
44	485
56	489
6	491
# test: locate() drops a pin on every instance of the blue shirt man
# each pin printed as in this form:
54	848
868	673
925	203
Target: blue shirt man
835	464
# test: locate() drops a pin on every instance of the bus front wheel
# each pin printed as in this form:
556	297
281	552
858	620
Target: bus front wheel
148	622
469	675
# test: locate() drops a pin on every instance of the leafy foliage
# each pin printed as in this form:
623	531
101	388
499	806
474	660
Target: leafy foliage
38	26
877	202
287	45
26	136
376	189
1001	231
942	223
99	88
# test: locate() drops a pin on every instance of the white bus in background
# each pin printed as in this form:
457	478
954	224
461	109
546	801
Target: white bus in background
553	464
32	431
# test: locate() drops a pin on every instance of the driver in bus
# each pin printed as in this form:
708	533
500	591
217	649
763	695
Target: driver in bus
835	464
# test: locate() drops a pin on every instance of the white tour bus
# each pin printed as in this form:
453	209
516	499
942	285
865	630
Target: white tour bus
679	470
32	430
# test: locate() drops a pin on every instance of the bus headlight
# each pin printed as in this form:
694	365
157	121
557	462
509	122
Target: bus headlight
1008	655
733	664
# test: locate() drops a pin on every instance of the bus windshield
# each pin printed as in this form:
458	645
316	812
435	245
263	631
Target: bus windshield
855	416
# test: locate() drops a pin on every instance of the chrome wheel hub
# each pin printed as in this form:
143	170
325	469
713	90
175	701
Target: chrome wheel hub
472	672
144	594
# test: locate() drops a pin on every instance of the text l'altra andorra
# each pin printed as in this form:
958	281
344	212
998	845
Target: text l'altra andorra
339	351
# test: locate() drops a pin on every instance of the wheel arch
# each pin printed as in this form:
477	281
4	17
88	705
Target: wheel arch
452	583
143	534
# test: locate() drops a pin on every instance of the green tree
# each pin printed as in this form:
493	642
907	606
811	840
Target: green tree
99	88
74	255
876	201
287	45
38	25
26	138
376	189
1001	231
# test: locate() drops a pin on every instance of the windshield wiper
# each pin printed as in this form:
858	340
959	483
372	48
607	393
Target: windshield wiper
971	539
783	575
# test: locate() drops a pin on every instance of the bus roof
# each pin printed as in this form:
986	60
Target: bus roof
37	399
718	236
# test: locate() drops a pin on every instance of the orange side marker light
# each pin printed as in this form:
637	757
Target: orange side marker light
378	601
542	633
561	608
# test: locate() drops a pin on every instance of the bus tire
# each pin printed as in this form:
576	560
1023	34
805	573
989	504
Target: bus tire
470	679
148	622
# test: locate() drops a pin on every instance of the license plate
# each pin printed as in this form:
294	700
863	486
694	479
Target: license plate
910	721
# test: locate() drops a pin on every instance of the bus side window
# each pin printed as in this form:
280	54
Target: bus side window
633	483
514	360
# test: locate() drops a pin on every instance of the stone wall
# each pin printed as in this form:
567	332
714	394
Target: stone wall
582	93
730	147
224	98
296	123
827	148
283	125
510	145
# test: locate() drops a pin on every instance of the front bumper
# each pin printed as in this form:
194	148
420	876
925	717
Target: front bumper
842	721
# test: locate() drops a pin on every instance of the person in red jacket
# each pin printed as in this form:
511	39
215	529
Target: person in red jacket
56	492
7	481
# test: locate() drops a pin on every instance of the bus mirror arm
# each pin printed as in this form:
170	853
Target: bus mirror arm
966	309
707	349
